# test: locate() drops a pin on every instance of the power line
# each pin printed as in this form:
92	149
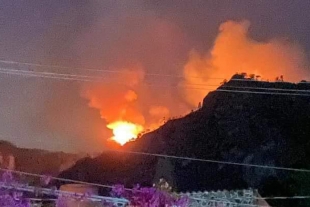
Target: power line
56	178
61	77
119	71
51	74
48	191
211	161
97	70
59	192
73	77
268	89
45	76
285	198
128	189
100	78
77	78
246	87
265	93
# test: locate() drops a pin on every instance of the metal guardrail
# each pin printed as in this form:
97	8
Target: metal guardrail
55	192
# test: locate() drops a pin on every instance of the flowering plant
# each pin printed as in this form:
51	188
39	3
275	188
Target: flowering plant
149	197
11	195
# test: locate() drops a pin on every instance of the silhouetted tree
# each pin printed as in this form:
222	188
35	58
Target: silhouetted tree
238	76
243	74
223	82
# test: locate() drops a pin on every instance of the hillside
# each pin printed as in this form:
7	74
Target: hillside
257	128
35	160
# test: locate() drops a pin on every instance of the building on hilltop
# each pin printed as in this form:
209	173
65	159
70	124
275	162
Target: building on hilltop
238	198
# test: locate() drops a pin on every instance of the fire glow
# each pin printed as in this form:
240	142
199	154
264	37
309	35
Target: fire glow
132	107
124	131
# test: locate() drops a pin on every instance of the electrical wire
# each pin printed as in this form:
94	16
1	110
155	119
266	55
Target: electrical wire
119	71
285	198
74	78
48	191
56	178
268	89
211	161
97	70
91	80
129	189
261	92
51	74
61	76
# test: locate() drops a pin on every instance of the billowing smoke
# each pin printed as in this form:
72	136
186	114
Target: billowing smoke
127	104
117	98
131	95
116	34
235	51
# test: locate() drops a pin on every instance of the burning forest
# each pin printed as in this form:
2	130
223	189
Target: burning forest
207	95
129	105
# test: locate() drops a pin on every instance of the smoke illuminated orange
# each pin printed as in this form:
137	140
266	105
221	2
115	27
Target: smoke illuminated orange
124	131
234	50
130	106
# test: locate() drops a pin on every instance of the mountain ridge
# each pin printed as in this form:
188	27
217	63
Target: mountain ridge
263	129
36	161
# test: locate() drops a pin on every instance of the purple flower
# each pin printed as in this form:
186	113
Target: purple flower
7	177
142	197
46	179
118	190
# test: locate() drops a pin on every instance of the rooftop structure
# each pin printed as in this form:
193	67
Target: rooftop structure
239	198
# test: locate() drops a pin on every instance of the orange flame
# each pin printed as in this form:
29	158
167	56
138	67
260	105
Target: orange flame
124	131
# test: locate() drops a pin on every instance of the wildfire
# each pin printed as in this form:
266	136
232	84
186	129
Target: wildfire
124	131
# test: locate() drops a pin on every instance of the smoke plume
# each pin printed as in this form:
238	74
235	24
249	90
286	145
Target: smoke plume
117	99
127	100
235	51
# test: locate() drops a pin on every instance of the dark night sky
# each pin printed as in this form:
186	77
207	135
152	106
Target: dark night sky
50	114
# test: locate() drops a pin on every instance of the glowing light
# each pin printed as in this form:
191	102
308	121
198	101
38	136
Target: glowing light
124	131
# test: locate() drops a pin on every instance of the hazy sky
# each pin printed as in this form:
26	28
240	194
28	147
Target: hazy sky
103	34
